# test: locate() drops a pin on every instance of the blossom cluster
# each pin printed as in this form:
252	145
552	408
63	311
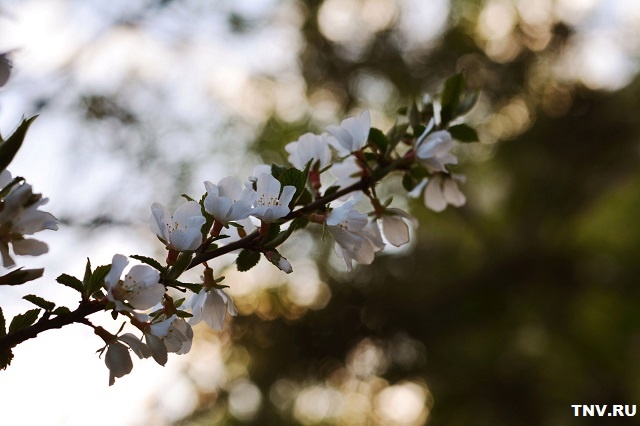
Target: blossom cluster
330	183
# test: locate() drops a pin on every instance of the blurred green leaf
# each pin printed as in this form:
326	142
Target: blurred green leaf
379	140
10	146
21	276
453	89
463	133
467	102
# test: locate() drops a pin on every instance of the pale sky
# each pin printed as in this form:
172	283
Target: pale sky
186	75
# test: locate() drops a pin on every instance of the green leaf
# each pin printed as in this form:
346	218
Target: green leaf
277	170
10	147
23	320
463	133
72	282
414	114
295	178
3	325
97	279
182	263
21	276
453	89
40	302
247	259
467	102
87	274
408	182
208	223
183	314
7	189
61	310
379	140
149	261
186	197
5	358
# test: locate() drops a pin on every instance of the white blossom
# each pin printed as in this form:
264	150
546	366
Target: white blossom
442	190
270	204
353	133
118	361
310	147
135	345
140	286
19	216
227	201
180	231
356	238
175	333
346	172
394	227
433	150
211	306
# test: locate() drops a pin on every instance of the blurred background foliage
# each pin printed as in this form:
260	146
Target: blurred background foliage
503	312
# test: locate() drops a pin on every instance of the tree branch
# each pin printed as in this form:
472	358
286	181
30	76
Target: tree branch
43	324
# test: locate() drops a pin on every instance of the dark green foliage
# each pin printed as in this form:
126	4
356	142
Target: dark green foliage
453	89
149	261
247	259
9	147
379	140
40	302
23	320
463	133
72	282
21	276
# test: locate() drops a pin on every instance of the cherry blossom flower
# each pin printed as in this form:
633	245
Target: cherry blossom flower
211	305
394	227
442	190
180	231
270	204
20	216
433	149
118	361
227	202
356	238
310	147
353	133
175	334
139	288
346	172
